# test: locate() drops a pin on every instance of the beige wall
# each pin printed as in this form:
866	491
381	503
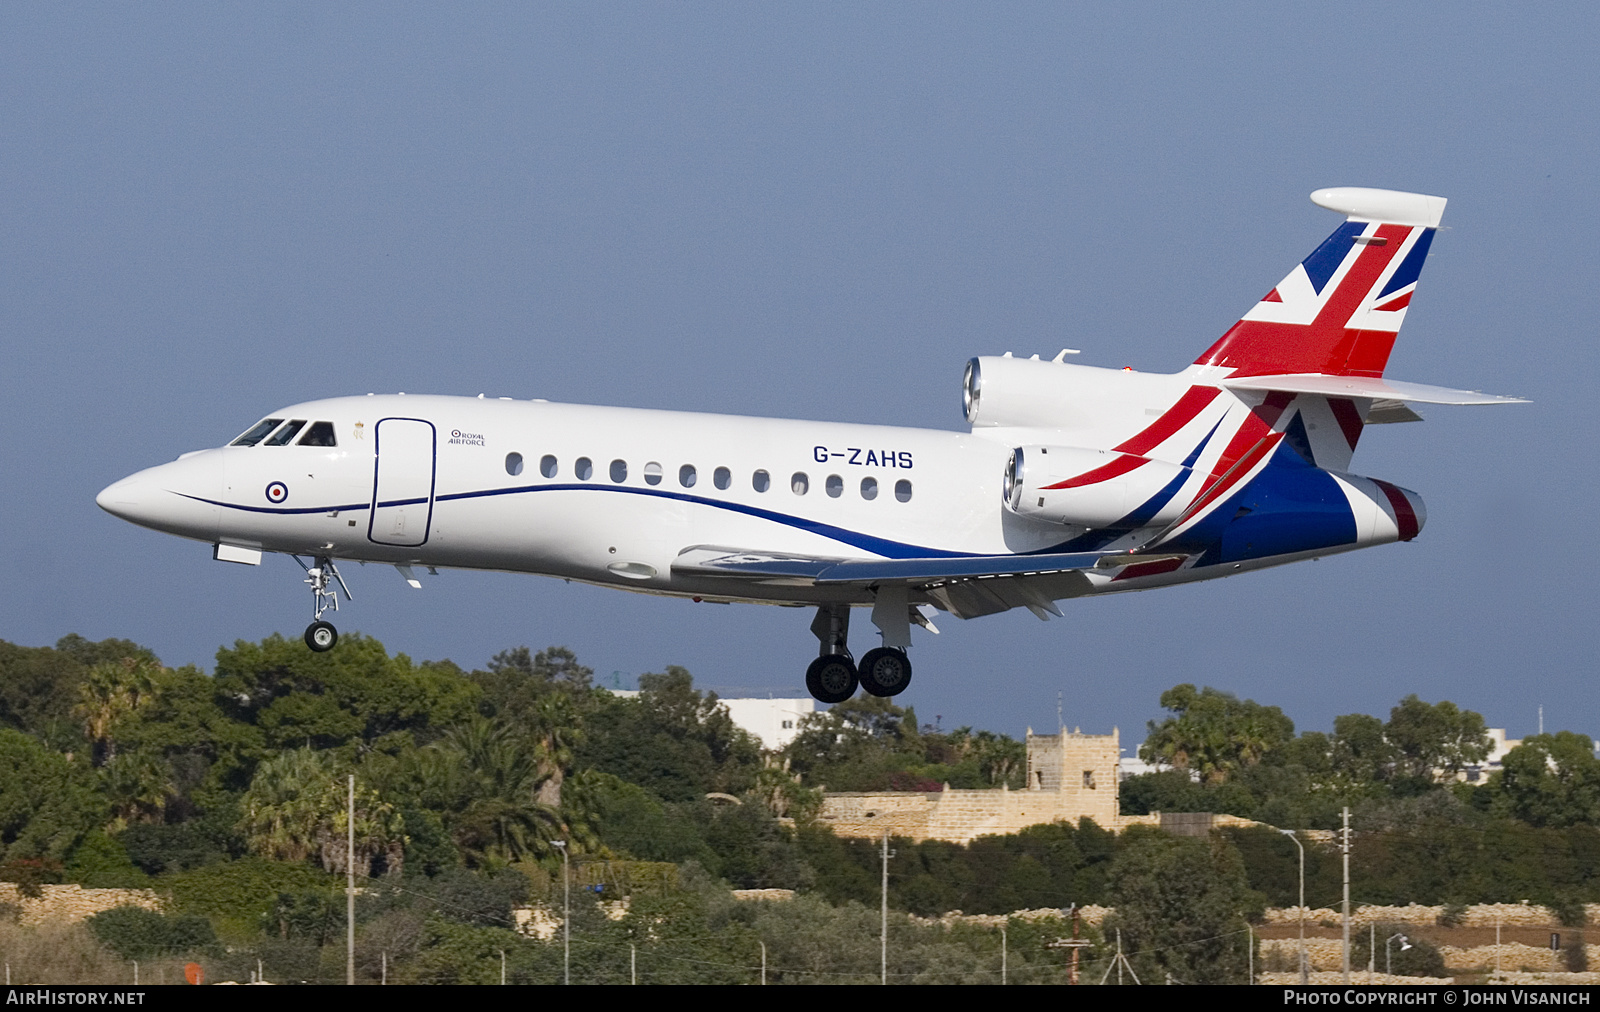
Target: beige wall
1070	776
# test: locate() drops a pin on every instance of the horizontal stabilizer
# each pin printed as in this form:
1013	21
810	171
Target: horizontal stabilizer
1371	387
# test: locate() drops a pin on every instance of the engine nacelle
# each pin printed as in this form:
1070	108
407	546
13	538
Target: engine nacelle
1028	393
1088	488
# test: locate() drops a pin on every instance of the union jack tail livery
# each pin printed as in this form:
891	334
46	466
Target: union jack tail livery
1339	310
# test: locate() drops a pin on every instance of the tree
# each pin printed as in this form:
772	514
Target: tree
47	801
1553	780
1433	742
138	784
857	745
484	779
556	729
357	694
673	740
1214	733
297	807
1181	904
39	685
1361	751
109	695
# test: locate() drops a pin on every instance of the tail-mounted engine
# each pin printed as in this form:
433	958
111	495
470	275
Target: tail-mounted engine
1088	488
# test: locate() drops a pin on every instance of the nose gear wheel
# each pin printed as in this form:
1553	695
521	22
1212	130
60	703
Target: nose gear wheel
320	576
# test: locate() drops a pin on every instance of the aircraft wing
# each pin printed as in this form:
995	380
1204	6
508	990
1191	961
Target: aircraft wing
967	586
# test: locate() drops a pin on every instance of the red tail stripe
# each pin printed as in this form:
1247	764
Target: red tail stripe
1404	515
1255	428
1122	465
1180	414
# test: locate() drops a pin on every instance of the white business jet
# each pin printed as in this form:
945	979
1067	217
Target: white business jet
1073	480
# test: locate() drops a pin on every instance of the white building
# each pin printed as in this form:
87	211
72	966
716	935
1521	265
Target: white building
774	722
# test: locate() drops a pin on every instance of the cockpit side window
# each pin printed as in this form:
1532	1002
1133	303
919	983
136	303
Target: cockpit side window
288	432
253	435
320	434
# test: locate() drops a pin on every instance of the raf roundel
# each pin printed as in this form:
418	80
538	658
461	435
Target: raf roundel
277	493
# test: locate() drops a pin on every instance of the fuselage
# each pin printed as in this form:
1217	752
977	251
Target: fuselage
615	495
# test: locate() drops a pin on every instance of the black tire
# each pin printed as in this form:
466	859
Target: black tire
885	671
321	636
831	678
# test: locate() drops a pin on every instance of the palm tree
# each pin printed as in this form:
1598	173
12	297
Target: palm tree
498	817
288	798
138	784
557	730
110	693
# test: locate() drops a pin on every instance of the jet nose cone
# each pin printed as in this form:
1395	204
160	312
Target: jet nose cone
123	498
176	498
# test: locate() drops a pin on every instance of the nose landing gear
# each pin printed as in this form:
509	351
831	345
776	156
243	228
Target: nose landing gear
321	636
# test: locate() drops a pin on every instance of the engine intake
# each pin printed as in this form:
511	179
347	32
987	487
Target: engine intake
1088	488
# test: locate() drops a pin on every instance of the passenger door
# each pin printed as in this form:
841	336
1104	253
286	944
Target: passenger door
402	482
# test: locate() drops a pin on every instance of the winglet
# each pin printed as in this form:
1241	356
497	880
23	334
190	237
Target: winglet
1394	207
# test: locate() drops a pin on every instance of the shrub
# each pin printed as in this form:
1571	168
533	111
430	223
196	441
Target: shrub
137	933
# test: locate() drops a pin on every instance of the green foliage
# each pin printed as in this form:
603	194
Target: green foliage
1272	863
1553	780
1181	905
207	838
39	686
636	823
100	862
298	806
1052	865
516	682
47	801
1214	733
1434	737
136	933
355	694
243	891
672	740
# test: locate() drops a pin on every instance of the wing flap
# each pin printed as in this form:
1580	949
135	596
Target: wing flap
789	568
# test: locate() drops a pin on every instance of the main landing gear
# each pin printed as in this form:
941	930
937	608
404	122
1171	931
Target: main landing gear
884	671
320	635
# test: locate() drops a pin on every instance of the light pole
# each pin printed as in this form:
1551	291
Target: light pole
883	912
1388	953
566	915
350	886
1003	953
1305	975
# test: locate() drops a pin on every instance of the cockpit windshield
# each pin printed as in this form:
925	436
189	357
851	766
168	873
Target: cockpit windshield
283	435
254	434
319	434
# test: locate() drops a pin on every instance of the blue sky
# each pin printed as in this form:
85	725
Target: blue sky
807	210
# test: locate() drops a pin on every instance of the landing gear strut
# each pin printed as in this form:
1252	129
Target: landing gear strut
320	635
884	671
831	678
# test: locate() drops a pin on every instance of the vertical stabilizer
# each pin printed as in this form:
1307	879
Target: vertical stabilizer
1338	312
